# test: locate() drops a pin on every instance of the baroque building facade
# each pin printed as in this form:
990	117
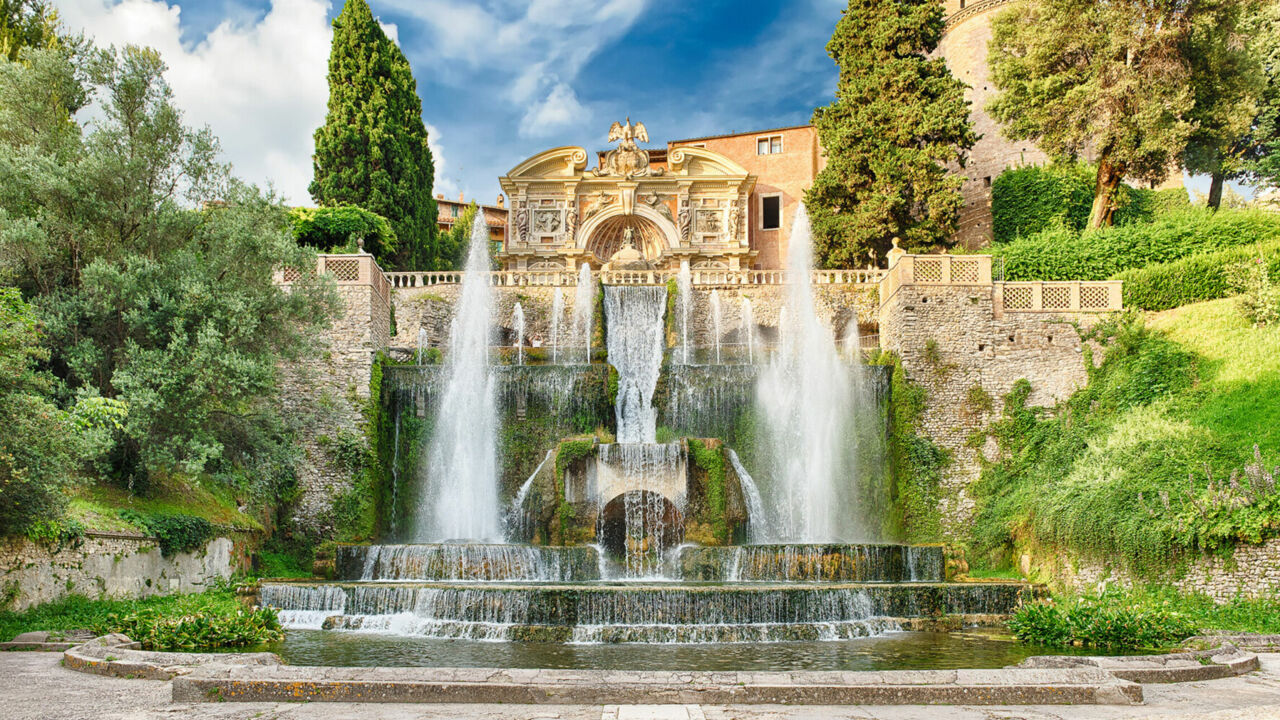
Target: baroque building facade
721	202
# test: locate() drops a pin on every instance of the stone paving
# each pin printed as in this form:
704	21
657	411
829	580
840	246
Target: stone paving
33	685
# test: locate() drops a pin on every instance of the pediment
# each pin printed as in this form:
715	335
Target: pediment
557	163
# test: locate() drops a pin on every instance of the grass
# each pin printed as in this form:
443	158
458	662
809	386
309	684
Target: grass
1238	397
97	505
1183	393
77	612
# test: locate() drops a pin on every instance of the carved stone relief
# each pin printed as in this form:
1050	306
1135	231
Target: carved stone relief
546	221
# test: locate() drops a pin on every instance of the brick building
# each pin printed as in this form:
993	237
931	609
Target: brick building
495	215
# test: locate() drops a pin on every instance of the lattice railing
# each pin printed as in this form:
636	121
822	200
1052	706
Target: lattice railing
345	270
1072	296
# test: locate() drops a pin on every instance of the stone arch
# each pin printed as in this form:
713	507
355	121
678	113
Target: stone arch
610	237
646	520
665	229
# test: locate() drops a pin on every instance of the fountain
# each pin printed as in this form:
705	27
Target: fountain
716	321
647	501
458	477
809	396
684	287
517	322
583	306
557	312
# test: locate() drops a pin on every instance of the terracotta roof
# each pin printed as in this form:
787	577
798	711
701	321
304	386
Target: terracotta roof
736	134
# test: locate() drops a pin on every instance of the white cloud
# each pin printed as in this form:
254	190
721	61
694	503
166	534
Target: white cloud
444	183
260	85
559	110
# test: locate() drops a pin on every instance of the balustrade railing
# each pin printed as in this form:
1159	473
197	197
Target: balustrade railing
1068	296
700	277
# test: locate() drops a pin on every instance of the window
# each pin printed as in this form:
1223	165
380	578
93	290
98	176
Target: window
771	212
769	145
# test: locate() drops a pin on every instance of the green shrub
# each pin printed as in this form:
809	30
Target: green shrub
1111	620
1060	253
208	620
1192	279
201	630
177	533
1028	200
336	228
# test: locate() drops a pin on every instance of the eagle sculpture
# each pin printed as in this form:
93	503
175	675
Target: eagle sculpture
627	160
628	133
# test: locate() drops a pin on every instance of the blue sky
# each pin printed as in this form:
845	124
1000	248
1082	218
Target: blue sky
499	80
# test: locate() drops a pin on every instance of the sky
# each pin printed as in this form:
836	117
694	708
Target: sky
499	80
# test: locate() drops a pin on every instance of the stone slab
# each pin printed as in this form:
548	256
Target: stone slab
456	685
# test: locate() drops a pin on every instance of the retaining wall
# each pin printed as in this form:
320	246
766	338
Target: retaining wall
110	565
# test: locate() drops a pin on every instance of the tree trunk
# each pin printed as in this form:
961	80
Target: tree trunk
1215	190
1109	177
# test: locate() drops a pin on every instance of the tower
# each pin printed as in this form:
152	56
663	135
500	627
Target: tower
964	47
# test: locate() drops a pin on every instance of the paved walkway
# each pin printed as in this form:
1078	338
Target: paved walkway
33	686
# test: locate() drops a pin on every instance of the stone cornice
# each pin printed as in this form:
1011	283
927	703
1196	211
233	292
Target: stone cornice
976	8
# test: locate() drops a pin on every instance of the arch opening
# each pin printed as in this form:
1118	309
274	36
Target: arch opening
611	236
638	527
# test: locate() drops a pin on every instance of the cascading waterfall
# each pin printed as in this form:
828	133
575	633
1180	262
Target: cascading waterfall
748	329
423	343
650	526
459	473
758	530
717	319
684	286
635	345
808	396
517	321
519	518
584	302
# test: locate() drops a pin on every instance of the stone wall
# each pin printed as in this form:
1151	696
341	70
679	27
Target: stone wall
328	393
1250	571
116	565
431	309
956	343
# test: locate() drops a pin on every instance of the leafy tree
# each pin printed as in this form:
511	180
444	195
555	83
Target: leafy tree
1227	79
899	118
1262	158
454	243
26	23
37	440
345	227
372	150
150	267
1111	79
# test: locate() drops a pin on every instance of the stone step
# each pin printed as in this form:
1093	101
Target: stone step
592	687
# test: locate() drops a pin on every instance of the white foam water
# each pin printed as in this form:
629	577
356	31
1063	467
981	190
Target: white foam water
459	473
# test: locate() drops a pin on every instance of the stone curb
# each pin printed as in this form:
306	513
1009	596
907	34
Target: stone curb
117	656
1193	666
454	685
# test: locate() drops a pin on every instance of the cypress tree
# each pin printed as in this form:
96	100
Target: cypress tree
372	150
899	118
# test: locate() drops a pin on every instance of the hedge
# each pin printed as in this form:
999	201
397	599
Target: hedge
1059	253
1027	200
334	228
1191	279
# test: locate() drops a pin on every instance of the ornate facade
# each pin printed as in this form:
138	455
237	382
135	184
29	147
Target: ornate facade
686	204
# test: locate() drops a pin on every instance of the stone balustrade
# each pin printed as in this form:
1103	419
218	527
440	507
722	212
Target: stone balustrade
359	269
700	277
975	270
1072	296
